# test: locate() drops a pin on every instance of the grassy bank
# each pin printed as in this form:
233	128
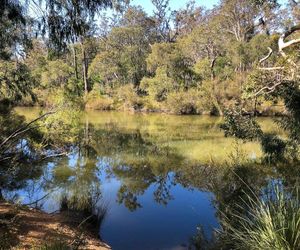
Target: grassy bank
178	104
268	222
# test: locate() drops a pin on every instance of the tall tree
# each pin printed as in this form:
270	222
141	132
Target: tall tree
186	19
241	18
162	16
72	21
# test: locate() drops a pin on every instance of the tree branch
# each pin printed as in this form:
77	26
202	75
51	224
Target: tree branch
269	88
281	42
24	128
266	57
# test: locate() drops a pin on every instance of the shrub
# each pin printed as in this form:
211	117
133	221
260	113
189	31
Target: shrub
150	105
63	126
127	98
100	103
268	222
186	102
97	101
273	146
159	86
240	125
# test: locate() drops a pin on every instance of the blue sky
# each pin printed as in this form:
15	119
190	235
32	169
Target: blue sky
177	4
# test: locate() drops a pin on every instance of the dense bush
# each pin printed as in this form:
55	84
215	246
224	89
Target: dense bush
159	86
97	101
127	98
273	146
242	126
185	102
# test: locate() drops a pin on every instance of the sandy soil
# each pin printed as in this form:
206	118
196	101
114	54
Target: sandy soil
26	228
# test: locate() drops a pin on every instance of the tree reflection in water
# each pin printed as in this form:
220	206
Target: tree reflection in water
141	162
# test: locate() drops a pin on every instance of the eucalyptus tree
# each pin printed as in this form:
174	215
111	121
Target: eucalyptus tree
13	22
162	15
279	81
242	18
122	56
61	22
72	21
188	18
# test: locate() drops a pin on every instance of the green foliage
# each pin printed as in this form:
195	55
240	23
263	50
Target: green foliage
69	21
36	59
62	127
185	102
123	57
15	80
203	69
273	146
56	74
241	125
127	98
97	101
159	86
291	122
12	28
169	57
268	222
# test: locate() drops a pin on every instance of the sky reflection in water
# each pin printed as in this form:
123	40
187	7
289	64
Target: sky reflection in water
151	173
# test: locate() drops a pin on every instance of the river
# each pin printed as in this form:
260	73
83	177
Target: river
158	177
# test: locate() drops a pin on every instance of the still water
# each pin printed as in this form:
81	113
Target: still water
158	177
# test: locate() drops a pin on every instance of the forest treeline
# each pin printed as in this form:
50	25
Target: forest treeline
189	61
238	59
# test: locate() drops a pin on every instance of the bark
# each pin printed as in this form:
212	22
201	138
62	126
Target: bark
212	65
84	68
281	42
75	62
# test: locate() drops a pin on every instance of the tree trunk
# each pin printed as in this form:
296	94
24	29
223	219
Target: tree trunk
255	106
212	76
75	62
212	65
84	68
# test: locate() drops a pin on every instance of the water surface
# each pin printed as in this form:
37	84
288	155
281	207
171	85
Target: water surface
160	176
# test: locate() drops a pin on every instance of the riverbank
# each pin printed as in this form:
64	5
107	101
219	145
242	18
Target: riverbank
27	228
264	111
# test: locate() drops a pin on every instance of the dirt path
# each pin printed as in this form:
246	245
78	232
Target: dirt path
25	228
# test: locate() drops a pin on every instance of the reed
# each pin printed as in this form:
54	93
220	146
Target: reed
268	222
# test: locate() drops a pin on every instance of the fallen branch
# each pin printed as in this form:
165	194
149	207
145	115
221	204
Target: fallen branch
38	200
54	156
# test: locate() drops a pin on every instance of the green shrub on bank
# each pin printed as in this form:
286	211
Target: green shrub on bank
126	98
268	222
158	87
186	102
97	101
